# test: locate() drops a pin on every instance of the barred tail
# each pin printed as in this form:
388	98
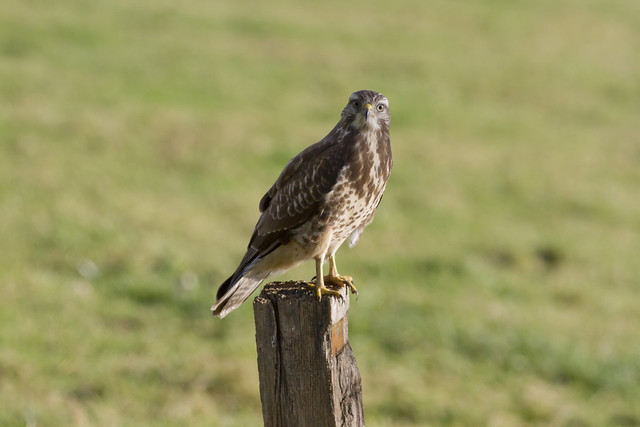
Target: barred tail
234	291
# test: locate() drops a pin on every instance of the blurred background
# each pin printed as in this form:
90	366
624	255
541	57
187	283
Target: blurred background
499	284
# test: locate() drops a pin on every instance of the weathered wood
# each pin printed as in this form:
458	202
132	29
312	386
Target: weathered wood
308	373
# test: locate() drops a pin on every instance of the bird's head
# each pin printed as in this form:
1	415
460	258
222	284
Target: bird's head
367	109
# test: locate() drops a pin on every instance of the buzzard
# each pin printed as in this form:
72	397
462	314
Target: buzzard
325	195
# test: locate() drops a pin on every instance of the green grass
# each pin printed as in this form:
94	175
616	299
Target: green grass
499	284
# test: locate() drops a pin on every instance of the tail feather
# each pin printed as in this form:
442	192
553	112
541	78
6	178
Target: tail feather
234	291
237	288
224	288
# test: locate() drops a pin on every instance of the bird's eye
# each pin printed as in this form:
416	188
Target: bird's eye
356	104
380	107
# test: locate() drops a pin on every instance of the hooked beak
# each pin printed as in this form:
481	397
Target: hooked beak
368	108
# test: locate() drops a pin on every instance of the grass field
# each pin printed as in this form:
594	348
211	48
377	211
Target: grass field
499	284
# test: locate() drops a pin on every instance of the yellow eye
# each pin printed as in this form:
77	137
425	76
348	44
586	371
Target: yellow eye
380	107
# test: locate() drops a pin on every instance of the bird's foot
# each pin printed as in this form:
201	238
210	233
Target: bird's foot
322	290
341	281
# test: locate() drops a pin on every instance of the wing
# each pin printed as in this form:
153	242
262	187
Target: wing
304	159
297	194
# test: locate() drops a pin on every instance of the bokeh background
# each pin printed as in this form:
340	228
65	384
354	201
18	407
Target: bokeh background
499	284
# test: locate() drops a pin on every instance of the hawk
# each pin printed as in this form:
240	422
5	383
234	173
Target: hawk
325	195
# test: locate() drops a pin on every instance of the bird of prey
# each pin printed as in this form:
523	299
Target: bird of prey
325	195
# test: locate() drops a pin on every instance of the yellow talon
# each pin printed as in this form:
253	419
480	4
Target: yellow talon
333	279
341	281
323	290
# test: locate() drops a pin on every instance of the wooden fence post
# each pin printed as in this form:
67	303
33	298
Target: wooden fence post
308	373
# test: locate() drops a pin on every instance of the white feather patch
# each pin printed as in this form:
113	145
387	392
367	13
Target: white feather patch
353	239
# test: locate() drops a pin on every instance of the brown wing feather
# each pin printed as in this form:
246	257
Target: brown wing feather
297	194
301	160
295	197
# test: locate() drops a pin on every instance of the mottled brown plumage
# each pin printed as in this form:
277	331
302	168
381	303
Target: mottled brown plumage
326	194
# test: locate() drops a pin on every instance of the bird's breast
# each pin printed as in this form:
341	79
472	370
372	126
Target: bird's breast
358	191
352	201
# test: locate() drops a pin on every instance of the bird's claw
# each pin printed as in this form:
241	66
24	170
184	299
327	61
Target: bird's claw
336	281
323	290
342	281
326	291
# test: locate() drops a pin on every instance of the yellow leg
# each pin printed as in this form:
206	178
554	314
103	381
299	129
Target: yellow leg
334	278
321	289
333	269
